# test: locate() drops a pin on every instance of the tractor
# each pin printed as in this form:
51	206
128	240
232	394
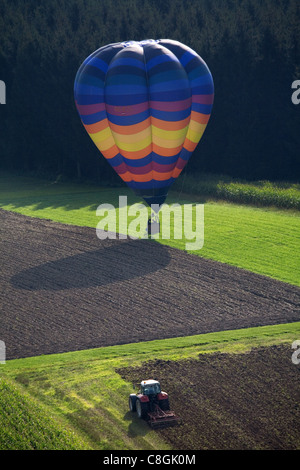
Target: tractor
152	405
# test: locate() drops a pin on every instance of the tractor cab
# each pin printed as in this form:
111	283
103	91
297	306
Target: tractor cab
150	387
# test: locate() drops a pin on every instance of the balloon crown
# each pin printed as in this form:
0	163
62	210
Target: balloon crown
140	43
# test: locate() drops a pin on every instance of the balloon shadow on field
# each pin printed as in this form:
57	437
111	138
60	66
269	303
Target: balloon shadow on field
114	262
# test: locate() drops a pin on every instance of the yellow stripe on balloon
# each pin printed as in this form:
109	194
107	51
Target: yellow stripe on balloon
166	143
135	146
105	144
197	126
101	135
132	138
195	131
169	135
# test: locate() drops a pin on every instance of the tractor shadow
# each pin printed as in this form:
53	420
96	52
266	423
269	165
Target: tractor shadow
137	427
114	262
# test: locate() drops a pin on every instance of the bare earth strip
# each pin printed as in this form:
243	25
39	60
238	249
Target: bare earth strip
62	289
230	401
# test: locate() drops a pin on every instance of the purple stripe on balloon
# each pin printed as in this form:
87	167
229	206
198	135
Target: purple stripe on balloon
181	163
85	109
163	168
203	99
128	110
143	170
171	105
121	169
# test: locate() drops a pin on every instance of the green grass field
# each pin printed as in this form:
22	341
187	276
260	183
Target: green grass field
78	400
260	239
280	194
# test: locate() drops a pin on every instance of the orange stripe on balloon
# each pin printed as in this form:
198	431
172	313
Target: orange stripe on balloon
137	154
127	177
158	176
130	130
111	152
199	117
170	125
97	127
189	145
151	175
166	152
176	172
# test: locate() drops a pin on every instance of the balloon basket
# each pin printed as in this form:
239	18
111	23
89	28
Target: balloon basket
153	228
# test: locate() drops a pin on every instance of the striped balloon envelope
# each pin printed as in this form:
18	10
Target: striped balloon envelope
145	105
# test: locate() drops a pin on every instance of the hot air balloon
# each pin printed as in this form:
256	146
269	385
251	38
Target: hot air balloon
145	105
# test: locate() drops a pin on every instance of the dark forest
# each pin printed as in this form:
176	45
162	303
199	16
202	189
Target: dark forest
252	48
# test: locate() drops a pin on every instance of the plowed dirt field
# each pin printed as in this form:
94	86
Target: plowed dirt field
230	401
62	289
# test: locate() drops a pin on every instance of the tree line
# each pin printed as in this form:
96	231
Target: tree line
250	46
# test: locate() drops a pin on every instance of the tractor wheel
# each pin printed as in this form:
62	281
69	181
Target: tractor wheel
132	402
142	409
165	404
